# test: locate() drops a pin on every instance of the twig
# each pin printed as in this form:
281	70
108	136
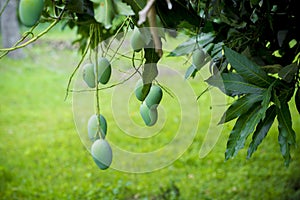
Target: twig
76	69
4	6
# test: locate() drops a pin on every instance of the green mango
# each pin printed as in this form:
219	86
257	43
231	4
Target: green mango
30	11
141	90
93	127
136	41
89	75
198	58
149	115
102	153
104	70
154	96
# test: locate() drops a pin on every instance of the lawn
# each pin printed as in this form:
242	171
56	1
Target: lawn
44	153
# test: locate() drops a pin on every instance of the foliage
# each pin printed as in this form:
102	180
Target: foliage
253	46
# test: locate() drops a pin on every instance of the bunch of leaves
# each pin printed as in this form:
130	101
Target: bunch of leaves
261	98
260	66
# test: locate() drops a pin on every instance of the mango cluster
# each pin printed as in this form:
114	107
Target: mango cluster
150	100
97	124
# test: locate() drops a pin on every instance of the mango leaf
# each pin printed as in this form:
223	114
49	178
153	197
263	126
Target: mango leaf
104	12
203	39
184	48
243	127
190	72
123	8
287	136
247	69
234	84
288	72
240	106
297	100
262	130
266	100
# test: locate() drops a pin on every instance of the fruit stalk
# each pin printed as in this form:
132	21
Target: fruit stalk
96	51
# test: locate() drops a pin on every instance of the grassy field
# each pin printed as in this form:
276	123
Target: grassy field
43	157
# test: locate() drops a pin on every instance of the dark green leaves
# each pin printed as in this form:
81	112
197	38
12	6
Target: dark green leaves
286	135
246	68
203	40
243	127
256	91
234	84
261	130
239	107
288	72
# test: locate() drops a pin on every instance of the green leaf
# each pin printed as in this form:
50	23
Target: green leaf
243	127
234	83
246	68
240	106
261	130
297	100
286	135
123	8
184	48
288	72
104	12
190	72
203	39
266	100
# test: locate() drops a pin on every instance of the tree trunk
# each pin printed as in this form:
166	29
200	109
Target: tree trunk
10	27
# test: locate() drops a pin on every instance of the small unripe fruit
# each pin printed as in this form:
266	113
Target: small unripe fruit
30	11
149	115
104	70
141	90
136	41
154	96
89	75
102	153
198	58
93	127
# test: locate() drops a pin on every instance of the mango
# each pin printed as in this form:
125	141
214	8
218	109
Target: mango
30	11
104	70
101	153
154	96
93	127
198	58
141	90
149	115
89	75
137	42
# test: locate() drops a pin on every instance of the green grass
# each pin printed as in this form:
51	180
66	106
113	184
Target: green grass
42	156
